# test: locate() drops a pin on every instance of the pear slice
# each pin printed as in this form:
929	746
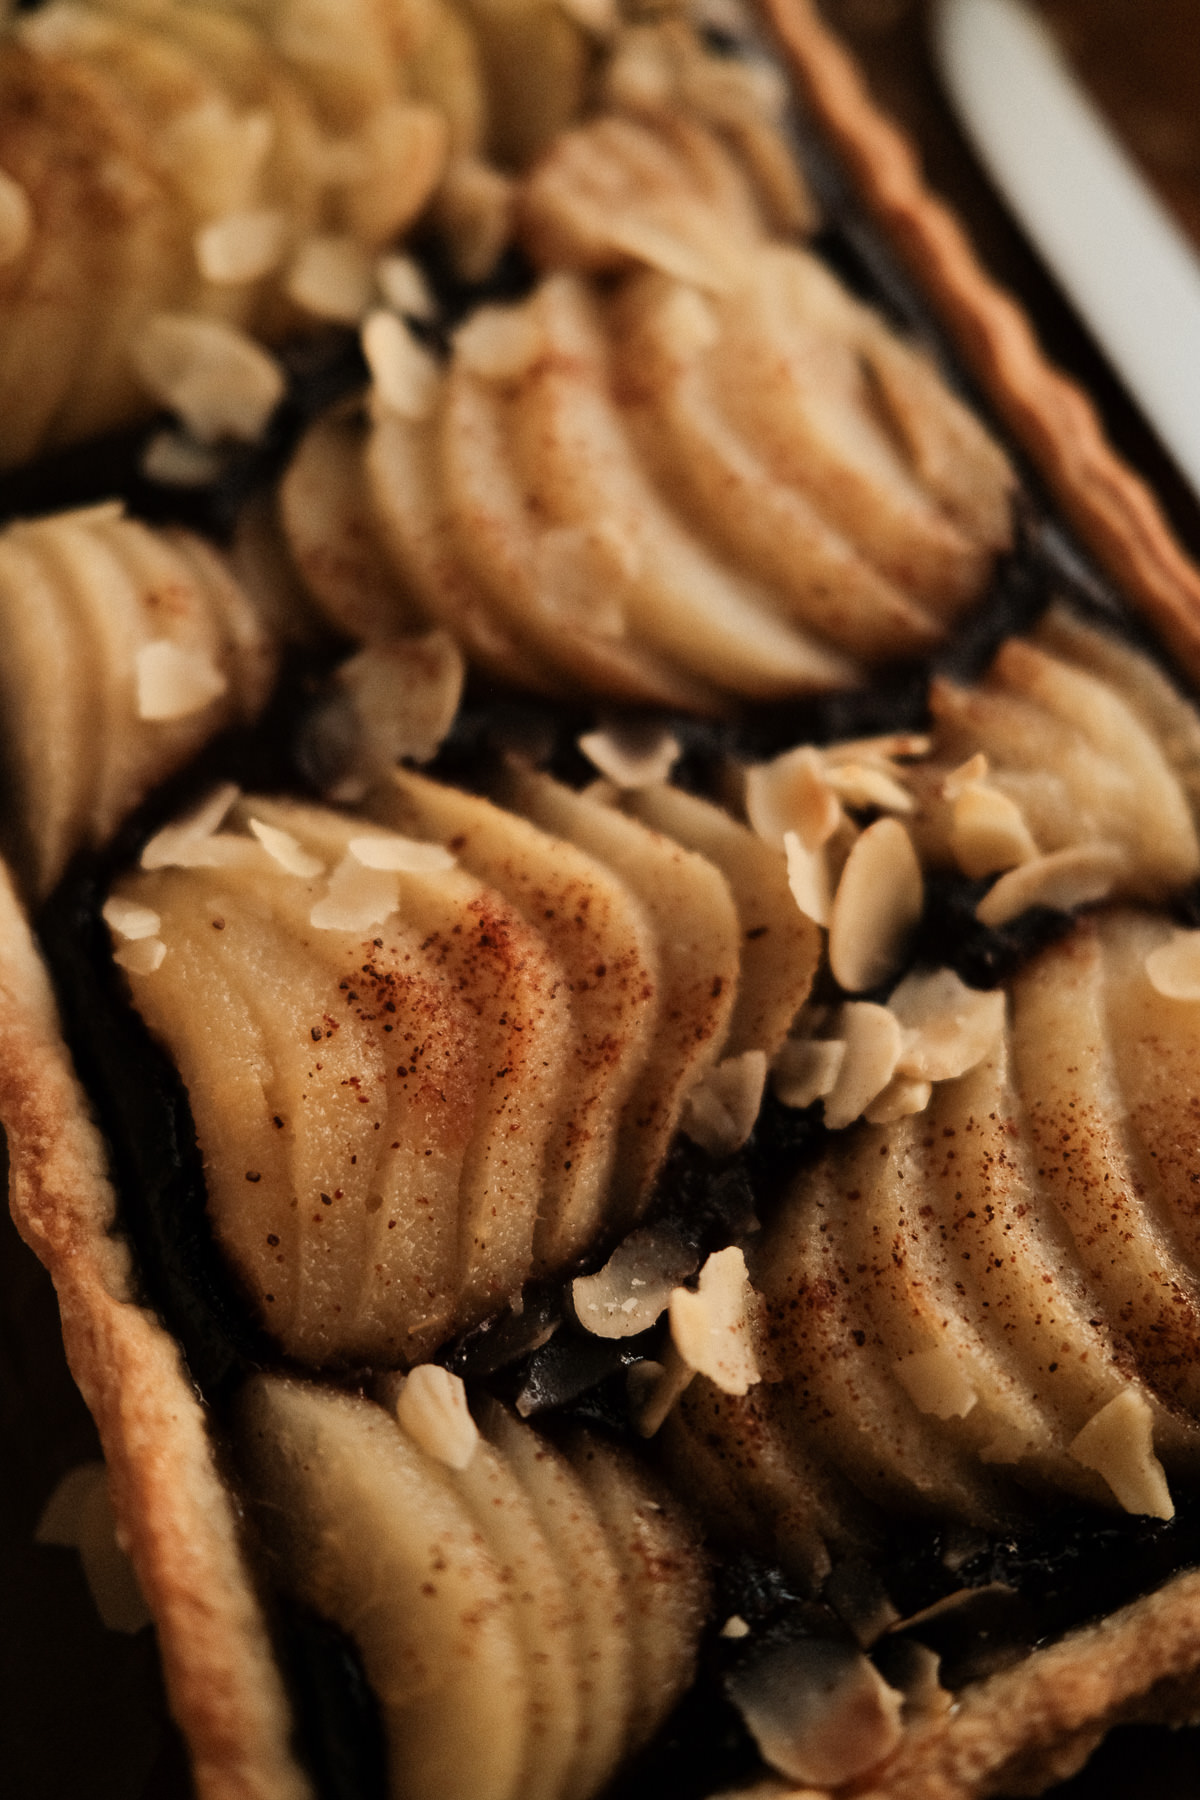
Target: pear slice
327	523
580	473
445	69
249	654
408	507
792	381
691	911
519	995
535	61
50	711
193	1006
1065	1026
664	1589
507	1523
565	592
370	1532
588	1564
605	945
665	339
780	946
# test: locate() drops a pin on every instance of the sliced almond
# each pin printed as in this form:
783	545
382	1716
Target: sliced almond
1174	967
792	794
864	784
950	1027
356	898
988	832
500	343
401	855
176	460
164	848
633	1288
808	878
173	683
331	277
1118	1443
878	902
720	1111
901	1098
404	288
935	1383
806	1069
406	377
713	1329
873	1040
654	1387
142	957
241	246
219	381
630	753
431	1405
1063	880
128	920
284	849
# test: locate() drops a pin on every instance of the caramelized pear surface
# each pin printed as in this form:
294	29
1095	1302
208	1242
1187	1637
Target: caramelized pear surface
526	1620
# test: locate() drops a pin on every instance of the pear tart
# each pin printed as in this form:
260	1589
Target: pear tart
497	1068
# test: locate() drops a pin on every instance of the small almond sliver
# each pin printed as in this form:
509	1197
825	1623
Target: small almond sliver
401	855
1063	880
1174	967
173	683
878	902
873	1040
126	919
284	849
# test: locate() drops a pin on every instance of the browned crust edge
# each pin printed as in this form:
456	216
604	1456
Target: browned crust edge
176	1516
1111	508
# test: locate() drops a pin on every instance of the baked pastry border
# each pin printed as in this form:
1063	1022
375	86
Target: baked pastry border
1049	415
177	1518
1015	1731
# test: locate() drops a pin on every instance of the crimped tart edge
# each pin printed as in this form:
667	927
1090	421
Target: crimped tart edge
177	1517
1049	415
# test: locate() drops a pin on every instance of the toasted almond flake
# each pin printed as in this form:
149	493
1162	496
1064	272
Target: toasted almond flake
129	920
356	898
860	784
403	287
401	855
216	156
806	1069
873	1040
652	1389
284	849
877	904
646	242
16	220
735	1627
818	1710
219	381
404	697
808	878
935	1383
583	573
79	1516
331	277
949	1026
713	1329
176	460
406	377
499	343
174	683
431	1405
1174	967
631	753
241	246
690	321
1007	1447
142	957
967	774
901	1099
1118	1443
631	1291
988	832
720	1110
192	831
1063	880
792	794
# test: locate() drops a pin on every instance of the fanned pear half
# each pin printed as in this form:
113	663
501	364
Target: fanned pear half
1000	1295
676	493
526	1615
442	1046
127	648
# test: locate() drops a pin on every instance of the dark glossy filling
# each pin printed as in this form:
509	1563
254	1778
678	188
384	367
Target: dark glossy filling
1028	1587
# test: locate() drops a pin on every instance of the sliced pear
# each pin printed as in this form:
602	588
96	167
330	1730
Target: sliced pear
518	994
665	340
445	68
327	524
566	592
605	945
51	714
370	1532
665	1592
1096	1172
579	469
601	1624
780	946
409	510
792	381
250	650
535	61
689	906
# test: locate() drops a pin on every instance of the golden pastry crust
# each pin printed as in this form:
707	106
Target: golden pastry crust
1112	509
173	1509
